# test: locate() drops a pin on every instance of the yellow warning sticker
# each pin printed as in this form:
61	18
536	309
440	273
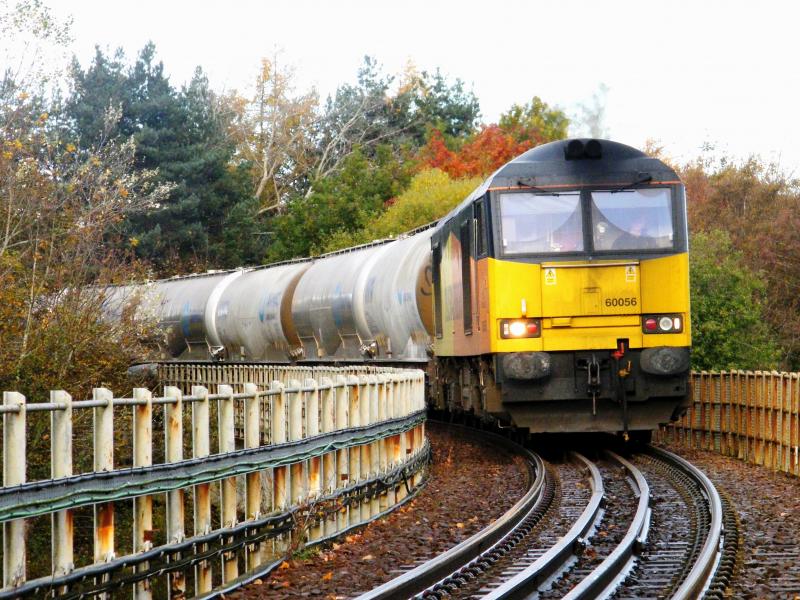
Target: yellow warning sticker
630	274
550	276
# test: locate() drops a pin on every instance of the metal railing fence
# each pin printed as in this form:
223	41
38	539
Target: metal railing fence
258	460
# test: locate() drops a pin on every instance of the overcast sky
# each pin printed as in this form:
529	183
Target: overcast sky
686	73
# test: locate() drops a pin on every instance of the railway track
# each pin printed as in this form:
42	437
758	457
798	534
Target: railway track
592	525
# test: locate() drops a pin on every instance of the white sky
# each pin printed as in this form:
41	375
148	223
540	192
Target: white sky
684	73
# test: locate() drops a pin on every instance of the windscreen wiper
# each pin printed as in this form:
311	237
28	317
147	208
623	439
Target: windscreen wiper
528	183
643	178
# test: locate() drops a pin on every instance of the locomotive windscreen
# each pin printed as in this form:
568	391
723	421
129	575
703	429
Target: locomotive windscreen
621	220
632	219
541	223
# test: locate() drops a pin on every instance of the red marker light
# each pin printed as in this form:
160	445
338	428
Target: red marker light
651	324
533	327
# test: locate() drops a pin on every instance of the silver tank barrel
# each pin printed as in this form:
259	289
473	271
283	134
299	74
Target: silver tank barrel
253	314
322	308
179	306
365	302
397	296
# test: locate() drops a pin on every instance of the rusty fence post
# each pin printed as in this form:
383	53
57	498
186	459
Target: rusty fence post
297	471
313	428
61	466
327	401
419	404
383	466
280	498
389	443
364	393
103	461
354	393
14	463
173	452
252	439
227	443
201	446
374	447
342	399
143	505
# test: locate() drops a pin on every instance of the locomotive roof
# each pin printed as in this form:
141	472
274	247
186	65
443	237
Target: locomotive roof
558	164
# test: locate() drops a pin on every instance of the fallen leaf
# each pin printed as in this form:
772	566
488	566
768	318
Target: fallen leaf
328	576
368	557
460	525
284	565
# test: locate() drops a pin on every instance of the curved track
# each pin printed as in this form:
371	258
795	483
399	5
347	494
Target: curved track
646	526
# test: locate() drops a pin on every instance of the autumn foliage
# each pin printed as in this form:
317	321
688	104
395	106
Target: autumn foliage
758	208
492	146
490	149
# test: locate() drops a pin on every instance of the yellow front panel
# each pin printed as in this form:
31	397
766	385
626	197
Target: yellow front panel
570	290
590	338
586	307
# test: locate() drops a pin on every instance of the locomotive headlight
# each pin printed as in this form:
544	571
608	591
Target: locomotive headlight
662	324
516	328
519	328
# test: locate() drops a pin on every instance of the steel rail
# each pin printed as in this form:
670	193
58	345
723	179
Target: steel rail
704	567
47	496
604	579
557	556
423	577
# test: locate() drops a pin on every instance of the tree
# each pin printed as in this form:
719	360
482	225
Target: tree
590	118
344	201
520	129
367	115
183	135
759	207
426	101
729	329
274	133
534	122
430	195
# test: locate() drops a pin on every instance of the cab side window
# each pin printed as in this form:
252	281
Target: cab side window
437	290
465	238
481	234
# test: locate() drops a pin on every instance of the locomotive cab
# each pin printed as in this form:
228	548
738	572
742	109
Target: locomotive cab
564	281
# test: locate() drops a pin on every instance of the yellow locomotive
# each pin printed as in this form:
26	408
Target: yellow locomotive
561	293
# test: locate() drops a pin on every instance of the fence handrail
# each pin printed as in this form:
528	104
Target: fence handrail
279	522
50	495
